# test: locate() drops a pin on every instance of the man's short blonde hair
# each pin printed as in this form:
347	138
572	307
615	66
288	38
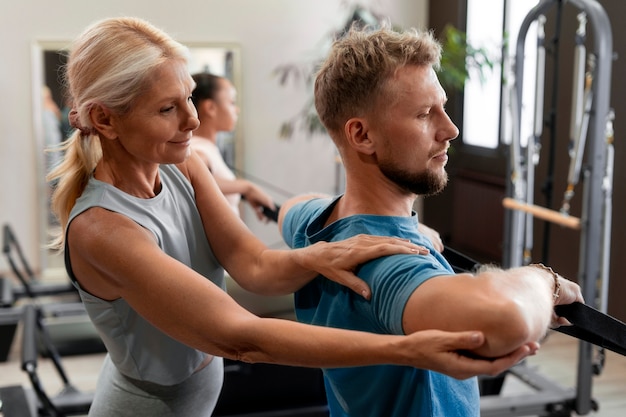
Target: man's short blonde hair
352	77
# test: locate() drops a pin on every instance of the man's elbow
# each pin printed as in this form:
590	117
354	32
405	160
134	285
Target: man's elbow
510	327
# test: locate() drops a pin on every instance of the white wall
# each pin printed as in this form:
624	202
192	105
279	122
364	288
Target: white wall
269	32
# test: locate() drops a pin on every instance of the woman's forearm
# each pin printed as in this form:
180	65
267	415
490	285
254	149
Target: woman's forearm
275	272
281	272
292	343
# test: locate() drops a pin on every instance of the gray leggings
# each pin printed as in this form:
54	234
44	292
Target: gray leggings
120	396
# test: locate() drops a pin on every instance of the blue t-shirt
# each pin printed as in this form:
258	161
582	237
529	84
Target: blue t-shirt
382	390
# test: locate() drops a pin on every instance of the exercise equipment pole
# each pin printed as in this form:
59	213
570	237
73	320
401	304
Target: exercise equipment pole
601	93
533	147
581	107
607	187
516	218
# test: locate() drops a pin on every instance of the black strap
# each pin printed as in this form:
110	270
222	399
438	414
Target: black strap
593	326
459	262
588	324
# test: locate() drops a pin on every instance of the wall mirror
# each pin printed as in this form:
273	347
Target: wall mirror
49	58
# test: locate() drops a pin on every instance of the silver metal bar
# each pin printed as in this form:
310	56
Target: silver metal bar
603	49
607	187
518	186
533	147
578	80
577	148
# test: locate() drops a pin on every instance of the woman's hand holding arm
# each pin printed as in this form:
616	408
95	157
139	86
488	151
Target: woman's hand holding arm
443	353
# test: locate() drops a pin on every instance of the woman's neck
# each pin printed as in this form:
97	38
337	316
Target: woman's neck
137	179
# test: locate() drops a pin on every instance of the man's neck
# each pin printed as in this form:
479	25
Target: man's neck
373	199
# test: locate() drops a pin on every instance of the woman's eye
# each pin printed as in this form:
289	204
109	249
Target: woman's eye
167	109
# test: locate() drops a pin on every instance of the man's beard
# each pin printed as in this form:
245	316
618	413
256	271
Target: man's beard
424	183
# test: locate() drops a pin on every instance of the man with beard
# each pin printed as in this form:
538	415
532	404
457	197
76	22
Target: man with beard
380	100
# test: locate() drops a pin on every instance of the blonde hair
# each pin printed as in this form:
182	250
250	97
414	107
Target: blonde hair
110	65
352	77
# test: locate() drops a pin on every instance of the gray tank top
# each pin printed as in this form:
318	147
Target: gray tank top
138	349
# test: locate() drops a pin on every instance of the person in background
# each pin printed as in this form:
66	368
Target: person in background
378	95
147	235
66	128
51	123
51	118
215	100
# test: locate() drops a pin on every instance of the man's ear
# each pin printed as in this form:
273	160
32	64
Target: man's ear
102	121
356	131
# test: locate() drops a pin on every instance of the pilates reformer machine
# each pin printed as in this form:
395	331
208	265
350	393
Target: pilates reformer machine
591	163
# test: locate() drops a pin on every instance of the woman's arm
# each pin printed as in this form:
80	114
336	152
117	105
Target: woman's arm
275	272
106	246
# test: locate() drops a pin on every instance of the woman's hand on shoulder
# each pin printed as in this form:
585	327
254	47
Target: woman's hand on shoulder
338	260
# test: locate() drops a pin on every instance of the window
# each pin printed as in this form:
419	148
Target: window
486	102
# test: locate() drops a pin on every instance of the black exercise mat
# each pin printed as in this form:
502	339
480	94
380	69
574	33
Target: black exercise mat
593	326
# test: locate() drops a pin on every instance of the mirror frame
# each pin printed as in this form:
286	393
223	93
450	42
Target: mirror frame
38	49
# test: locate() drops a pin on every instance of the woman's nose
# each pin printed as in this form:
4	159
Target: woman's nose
192	122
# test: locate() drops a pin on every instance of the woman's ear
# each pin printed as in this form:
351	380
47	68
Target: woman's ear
356	131
102	121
